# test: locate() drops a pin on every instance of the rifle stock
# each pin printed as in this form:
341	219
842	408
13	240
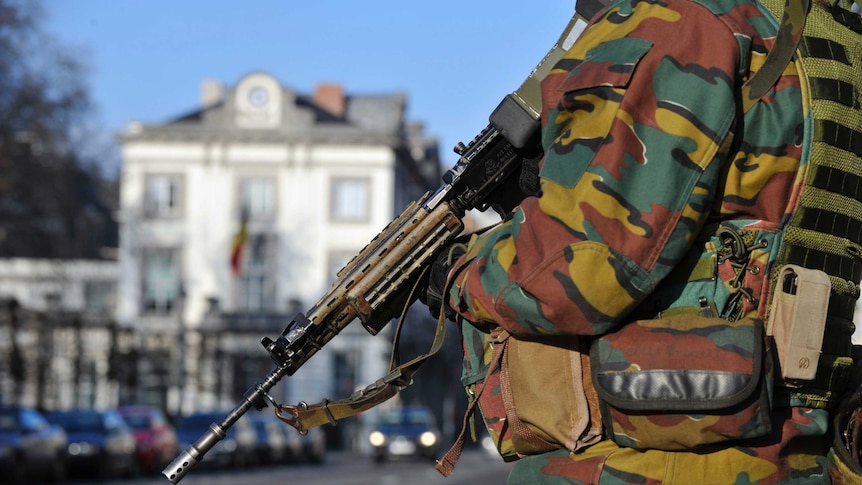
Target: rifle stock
486	175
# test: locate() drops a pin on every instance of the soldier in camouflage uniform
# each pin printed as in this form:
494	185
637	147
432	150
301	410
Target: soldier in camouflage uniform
647	150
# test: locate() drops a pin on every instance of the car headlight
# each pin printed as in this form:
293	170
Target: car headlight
428	439
488	444
229	445
120	444
376	438
82	449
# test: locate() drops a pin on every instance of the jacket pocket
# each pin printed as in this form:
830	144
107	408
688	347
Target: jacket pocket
609	64
587	101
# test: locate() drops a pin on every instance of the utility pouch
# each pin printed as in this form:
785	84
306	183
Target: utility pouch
537	397
684	381
797	320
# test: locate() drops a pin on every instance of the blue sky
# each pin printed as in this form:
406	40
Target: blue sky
454	60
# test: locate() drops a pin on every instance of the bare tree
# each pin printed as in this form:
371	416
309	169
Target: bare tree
50	199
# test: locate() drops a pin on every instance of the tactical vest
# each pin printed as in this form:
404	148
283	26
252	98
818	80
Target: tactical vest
825	230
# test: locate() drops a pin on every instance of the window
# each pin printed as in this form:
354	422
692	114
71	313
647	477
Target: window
53	301
161	274
99	295
163	196
256	290
344	372
350	199
257	197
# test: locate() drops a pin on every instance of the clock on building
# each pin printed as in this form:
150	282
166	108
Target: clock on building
258	101
258	96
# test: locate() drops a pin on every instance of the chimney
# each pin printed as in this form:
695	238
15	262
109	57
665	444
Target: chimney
212	93
330	97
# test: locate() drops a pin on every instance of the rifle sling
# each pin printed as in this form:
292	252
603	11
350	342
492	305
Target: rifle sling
306	416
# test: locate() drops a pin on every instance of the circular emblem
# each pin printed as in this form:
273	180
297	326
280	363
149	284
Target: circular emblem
258	96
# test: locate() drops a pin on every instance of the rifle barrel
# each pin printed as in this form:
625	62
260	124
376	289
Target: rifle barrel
191	456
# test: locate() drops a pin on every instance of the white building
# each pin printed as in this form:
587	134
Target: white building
57	333
50	284
316	176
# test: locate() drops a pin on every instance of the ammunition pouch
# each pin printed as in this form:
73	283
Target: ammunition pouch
533	397
544	401
683	382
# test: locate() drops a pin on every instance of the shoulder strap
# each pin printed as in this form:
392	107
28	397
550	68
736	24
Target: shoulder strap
589	8
786	43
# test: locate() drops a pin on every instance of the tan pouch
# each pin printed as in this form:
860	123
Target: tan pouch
534	398
548	395
797	320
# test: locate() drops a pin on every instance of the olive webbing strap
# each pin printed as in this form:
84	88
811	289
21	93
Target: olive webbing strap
825	230
446	464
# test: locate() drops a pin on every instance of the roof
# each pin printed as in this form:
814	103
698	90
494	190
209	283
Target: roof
378	117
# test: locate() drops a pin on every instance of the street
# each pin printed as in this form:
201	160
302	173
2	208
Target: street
340	468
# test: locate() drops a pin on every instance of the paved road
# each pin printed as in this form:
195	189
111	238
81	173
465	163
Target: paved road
475	468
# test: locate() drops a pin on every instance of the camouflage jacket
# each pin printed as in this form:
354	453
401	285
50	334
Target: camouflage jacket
644	148
647	155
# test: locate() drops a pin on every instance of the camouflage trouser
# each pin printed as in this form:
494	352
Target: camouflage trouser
795	453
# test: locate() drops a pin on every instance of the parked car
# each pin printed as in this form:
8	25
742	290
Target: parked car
156	442
30	447
100	442
409	431
313	445
309	447
294	442
271	445
237	449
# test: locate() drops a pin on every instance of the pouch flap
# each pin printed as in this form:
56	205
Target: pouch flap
679	363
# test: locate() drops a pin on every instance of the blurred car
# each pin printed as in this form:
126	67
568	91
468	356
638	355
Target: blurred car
313	445
409	431
237	449
30	447
100	442
295	445
309	447
271	446
156	442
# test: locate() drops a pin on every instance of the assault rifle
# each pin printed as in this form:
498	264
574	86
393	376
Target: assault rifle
375	281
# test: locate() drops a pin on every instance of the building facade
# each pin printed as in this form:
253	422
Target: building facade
58	336
303	182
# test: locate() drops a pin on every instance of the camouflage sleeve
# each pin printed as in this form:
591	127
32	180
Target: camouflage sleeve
637	123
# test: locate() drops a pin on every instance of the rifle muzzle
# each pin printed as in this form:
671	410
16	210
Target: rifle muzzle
192	455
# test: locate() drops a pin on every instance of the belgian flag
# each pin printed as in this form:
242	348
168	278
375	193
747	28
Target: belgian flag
239	242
